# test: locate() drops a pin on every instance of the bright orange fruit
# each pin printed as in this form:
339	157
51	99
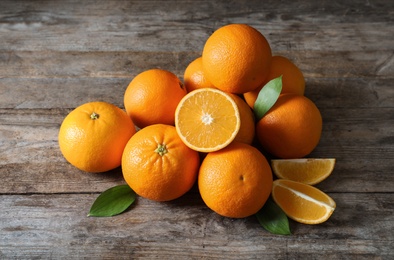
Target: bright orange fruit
236	181
152	97
236	58
207	119
92	136
194	77
306	170
157	165
301	202
247	128
291	128
292	79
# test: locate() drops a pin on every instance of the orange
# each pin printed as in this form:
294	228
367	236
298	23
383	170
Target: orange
236	58
236	181
291	128
157	165
307	170
207	119
152	97
247	128
92	136
301	202
194	76
292	79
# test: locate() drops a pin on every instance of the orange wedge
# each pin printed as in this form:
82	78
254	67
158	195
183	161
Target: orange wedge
207	119
308	170
301	202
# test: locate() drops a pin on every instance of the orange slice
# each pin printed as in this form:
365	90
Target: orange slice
301	202
308	170
207	119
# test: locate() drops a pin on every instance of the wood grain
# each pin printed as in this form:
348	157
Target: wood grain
29	143
57	55
35	223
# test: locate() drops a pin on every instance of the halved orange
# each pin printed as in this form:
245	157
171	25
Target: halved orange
207	119
301	202
306	170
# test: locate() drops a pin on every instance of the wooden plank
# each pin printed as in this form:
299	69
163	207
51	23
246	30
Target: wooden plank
31	162
354	92
38	93
56	226
55	93
56	55
126	64
46	64
167	26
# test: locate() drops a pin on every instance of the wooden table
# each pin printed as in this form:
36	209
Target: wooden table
57	55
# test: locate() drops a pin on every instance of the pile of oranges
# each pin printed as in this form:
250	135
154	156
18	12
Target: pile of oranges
202	130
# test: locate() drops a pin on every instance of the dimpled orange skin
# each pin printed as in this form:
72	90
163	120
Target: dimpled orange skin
194	77
291	128
152	97
157	165
236	58
247	128
293	80
95	145
235	181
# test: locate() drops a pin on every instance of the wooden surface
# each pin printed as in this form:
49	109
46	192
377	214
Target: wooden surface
56	55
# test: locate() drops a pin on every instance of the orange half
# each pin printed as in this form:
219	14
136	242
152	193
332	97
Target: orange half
207	119
301	202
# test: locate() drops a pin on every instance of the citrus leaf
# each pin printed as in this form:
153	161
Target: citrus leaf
112	201
267	97
273	219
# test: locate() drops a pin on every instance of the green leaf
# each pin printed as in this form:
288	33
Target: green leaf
273	219
267	97
112	201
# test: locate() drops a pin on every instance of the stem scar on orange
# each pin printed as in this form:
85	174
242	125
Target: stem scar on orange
92	136
157	165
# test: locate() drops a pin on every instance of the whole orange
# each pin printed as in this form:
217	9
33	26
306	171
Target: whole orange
157	165
235	181
152	97
293	80
247	128
92	136
194	76
236	58
291	128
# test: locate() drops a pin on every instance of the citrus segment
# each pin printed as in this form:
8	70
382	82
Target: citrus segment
307	170
235	181
207	119
301	202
